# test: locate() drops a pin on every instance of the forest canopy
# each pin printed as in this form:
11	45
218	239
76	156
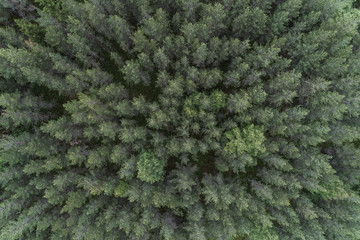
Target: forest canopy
179	119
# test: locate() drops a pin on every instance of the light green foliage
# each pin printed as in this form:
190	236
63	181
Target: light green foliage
150	167
52	7
247	140
98	157
133	73
218	99
198	103
156	27
120	189
74	200
189	108
161	59
31	30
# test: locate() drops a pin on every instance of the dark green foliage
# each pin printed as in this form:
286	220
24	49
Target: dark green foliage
201	120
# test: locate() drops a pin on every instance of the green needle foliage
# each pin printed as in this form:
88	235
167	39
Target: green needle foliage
249	140
150	168
179	120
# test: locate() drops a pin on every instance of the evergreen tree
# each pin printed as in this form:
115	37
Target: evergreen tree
202	120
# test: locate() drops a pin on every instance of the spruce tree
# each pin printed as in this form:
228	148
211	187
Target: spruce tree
178	119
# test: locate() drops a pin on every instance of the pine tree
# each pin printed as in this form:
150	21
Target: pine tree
201	120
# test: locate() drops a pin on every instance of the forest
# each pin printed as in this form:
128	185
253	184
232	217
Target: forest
180	120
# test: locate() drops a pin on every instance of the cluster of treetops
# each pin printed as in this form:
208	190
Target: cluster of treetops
179	120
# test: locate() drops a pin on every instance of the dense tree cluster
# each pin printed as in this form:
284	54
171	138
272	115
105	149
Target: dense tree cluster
179	119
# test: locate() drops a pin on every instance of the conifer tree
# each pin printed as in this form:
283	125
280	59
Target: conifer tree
201	120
